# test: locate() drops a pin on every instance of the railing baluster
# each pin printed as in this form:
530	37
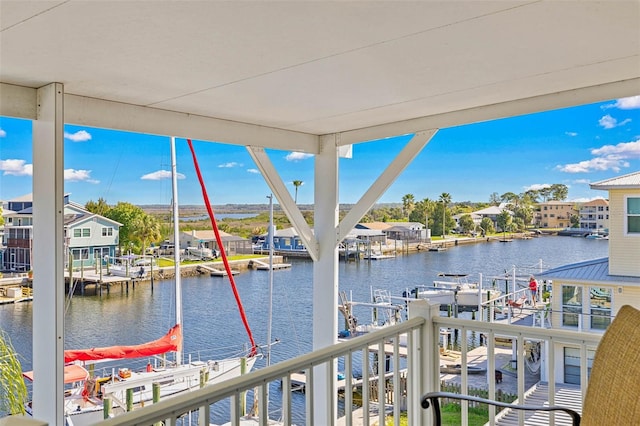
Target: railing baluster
234	401
286	400
308	395
520	371
464	346
397	393
365	386
491	374
382	370
348	388
551	371
263	401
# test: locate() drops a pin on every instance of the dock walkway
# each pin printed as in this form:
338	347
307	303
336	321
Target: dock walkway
262	266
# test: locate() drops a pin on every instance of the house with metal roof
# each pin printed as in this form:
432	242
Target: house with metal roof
587	295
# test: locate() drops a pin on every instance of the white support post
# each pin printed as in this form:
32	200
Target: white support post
48	256
325	276
424	361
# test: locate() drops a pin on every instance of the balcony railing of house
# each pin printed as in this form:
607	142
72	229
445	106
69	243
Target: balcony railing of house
411	350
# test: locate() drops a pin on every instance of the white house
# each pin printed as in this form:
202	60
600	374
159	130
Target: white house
586	295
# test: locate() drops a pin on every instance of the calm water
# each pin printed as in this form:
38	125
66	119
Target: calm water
212	324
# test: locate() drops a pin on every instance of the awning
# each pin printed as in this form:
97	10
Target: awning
72	373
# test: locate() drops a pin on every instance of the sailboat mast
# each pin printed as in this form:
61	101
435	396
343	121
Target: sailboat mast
269	312
176	242
270	308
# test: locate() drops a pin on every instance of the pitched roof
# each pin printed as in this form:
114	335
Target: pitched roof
489	211
375	225
596	270
631	180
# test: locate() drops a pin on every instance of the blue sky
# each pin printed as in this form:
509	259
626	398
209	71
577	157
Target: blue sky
573	146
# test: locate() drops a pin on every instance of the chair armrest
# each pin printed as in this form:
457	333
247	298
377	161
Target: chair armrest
432	398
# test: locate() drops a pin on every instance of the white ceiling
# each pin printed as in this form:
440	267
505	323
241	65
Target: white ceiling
314	67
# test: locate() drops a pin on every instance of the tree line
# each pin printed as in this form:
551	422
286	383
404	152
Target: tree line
139	229
438	214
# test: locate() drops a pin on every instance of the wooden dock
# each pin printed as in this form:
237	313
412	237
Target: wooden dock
261	266
15	295
216	272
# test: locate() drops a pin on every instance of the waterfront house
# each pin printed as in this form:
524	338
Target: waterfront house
594	215
87	236
555	214
406	231
206	238
586	295
90	238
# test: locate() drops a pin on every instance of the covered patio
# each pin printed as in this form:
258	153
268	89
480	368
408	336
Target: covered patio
313	77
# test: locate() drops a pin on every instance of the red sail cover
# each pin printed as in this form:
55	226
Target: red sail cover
172	341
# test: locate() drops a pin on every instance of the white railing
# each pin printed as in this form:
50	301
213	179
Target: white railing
414	366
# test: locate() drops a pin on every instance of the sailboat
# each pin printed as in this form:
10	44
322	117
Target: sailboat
88	397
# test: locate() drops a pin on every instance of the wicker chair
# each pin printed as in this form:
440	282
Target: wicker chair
613	393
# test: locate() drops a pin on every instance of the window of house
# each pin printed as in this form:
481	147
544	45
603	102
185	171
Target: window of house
572	365
80	254
571	305
600	305
633	215
107	232
82	232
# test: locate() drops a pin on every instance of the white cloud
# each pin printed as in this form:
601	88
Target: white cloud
73	175
572	134
608	122
2	133
230	165
625	150
16	167
582	181
537	187
79	136
297	156
160	175
255	171
607	157
595	164
631	102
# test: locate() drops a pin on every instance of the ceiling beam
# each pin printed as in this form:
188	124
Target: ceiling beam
20	102
551	101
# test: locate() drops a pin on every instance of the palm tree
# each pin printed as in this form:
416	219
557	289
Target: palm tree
445	198
408	204
297	183
146	228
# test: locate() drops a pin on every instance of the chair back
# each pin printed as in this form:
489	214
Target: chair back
613	392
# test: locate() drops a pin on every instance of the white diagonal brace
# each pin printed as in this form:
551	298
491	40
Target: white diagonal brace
283	196
390	174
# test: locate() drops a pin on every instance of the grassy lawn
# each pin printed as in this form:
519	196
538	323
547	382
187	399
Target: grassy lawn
451	416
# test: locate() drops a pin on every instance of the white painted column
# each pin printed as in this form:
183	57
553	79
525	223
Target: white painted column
48	256
325	276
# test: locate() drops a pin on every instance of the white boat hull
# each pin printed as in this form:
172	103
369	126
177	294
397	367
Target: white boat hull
83	410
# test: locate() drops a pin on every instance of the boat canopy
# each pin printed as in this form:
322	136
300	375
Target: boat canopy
72	373
172	341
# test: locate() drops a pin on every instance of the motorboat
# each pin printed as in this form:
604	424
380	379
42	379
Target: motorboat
202	252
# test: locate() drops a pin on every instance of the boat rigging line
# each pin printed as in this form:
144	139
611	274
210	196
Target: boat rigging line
223	254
